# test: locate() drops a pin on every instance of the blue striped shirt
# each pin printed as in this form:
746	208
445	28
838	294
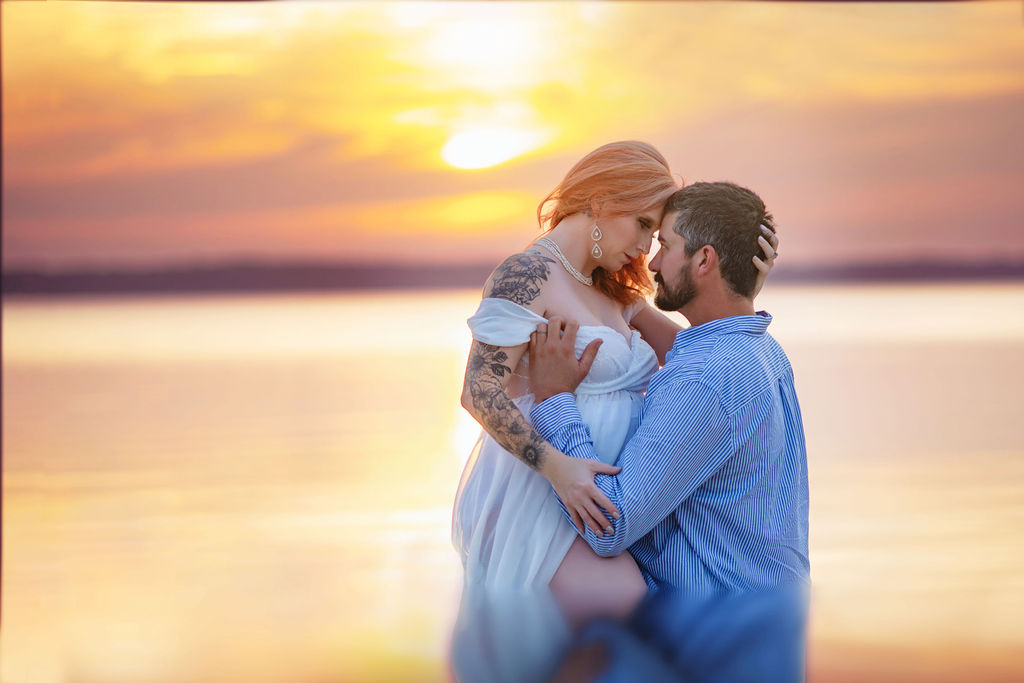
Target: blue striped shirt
713	487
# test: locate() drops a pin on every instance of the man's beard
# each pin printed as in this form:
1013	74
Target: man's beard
672	300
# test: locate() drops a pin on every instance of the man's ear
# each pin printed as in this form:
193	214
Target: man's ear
707	259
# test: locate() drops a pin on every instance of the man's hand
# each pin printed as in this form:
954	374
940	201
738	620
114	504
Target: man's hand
554	367
769	242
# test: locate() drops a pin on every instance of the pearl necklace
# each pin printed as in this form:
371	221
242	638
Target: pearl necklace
554	249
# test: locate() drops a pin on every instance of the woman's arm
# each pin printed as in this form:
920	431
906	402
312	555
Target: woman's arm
488	371
483	395
657	329
521	278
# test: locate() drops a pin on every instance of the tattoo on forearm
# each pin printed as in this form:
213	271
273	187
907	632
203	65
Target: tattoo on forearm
495	409
519	278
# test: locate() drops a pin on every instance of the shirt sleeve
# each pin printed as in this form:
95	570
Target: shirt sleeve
558	420
683	438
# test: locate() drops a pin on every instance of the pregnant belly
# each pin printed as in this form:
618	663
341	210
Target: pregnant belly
612	419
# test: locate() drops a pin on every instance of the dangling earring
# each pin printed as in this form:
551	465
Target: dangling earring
596	235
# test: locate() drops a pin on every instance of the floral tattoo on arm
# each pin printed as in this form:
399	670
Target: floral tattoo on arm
518	279
496	410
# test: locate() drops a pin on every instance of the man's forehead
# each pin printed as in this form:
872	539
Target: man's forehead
666	231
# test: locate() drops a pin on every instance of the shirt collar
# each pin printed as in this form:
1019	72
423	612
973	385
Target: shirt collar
746	324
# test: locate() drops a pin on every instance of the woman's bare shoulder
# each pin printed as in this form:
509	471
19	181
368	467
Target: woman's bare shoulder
521	278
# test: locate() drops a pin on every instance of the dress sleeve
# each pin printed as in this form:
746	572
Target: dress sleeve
501	322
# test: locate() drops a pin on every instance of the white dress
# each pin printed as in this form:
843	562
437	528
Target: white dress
507	523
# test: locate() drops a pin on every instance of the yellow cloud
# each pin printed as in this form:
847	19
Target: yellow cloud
478	212
366	96
397	81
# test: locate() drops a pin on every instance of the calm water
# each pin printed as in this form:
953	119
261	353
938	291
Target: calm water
258	488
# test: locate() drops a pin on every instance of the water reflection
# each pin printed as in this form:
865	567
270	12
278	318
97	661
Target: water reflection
508	636
185	501
522	636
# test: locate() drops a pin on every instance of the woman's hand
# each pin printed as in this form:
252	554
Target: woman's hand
769	242
573	481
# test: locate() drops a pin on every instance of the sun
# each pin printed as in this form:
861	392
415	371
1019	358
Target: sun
486	147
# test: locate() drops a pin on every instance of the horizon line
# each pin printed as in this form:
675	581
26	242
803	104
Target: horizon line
248	276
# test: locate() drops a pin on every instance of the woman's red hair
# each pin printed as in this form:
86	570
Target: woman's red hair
624	178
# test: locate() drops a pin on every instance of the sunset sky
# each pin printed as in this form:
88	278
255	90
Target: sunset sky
138	134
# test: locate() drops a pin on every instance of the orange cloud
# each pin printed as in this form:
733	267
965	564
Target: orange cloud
288	122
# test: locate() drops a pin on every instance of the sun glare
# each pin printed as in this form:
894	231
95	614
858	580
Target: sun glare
485	147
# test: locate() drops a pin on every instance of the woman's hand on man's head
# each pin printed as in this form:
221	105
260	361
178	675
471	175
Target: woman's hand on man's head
769	242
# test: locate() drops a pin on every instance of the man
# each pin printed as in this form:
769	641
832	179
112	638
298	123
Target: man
712	494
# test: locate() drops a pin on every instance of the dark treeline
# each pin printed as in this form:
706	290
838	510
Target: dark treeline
352	276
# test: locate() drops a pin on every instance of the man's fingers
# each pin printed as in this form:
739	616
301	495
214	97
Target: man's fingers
539	339
555	325
589	354
570	334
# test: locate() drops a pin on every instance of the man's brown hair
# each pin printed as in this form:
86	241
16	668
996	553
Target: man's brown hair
729	218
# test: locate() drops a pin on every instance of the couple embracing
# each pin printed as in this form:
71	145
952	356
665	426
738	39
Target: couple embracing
622	454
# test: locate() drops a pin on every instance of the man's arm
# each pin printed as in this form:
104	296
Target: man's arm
683	438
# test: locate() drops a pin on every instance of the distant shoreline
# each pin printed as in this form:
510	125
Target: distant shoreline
239	278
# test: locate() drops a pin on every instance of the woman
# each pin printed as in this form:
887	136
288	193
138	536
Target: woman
588	267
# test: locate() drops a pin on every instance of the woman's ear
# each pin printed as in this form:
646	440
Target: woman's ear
596	205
